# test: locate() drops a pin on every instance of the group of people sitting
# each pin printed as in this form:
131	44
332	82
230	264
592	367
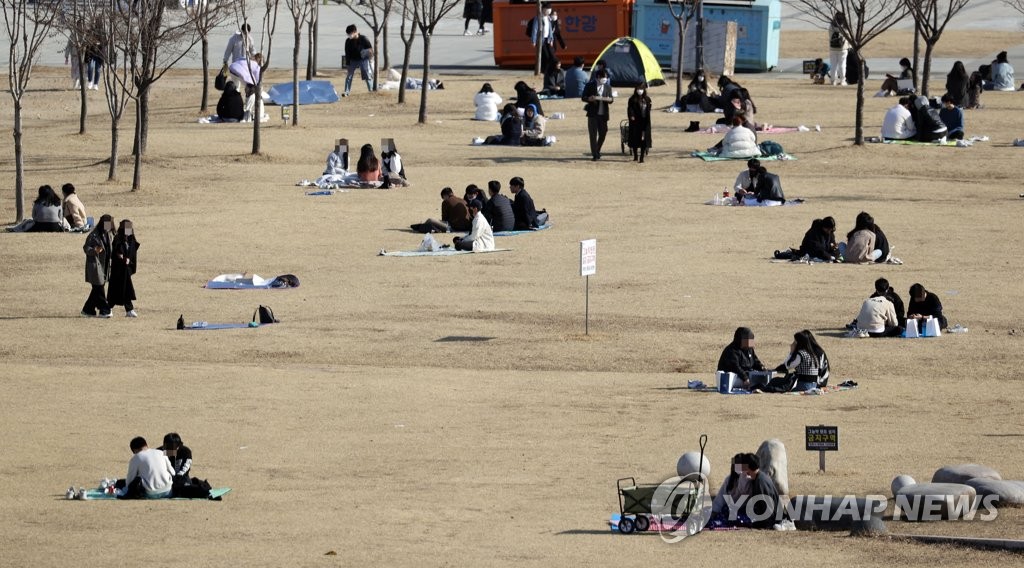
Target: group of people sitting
866	243
232	108
157	473
806	366
883	313
917	118
385	172
50	214
483	216
756	187
522	123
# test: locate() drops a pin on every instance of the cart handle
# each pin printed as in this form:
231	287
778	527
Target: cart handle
618	484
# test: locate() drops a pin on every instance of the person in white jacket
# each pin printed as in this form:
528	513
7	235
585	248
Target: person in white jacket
238	46
480	238
898	123
486	102
740	141
152	468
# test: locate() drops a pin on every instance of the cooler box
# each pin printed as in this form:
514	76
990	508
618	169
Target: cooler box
587	28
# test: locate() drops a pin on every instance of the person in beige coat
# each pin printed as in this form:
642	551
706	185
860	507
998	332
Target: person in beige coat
74	211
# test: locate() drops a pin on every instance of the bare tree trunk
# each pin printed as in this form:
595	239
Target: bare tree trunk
137	175
538	30
405	68
859	134
19	166
387	54
376	61
142	121
82	93
314	38
257	118
426	79
917	53
928	47
679	58
295	73
310	31
114	132
204	105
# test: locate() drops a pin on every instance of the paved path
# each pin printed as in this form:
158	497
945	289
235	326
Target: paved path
455	53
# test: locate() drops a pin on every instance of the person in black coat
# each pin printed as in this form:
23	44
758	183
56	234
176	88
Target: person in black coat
123	263
473	10
929	125
638	110
769	187
180	457
598	96
739	357
820	240
526	215
511	128
924	304
230	106
526	96
957	82
763	504
498	209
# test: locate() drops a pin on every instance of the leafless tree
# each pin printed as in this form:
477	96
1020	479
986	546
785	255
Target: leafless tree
301	12
268	24
376	14
26	25
864	21
931	17
428	14
408	15
206	17
120	34
77	27
163	38
683	11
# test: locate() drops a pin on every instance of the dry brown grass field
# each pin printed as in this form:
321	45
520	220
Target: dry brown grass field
353	426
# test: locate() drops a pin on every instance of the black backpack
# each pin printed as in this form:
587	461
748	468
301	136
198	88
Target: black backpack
529	27
265	314
836	41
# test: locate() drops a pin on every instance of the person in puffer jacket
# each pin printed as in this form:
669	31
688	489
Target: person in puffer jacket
740	141
929	125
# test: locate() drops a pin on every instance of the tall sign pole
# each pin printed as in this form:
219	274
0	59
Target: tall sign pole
588	266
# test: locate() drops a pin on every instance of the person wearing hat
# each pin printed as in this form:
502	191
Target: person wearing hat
180	457
526	214
575	79
739	357
480	237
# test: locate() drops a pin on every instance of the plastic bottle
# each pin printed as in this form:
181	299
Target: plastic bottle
725	192
957	329
716	199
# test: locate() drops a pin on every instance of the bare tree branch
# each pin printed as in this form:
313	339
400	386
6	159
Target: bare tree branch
931	17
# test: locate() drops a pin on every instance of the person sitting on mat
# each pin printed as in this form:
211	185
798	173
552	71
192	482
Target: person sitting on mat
454	216
927	121
180	457
953	117
73	210
472	194
898	123
47	216
925	304
511	128
805	369
150	475
820	240
884	290
739	357
575	79
554	80
735	485
860	242
230	107
739	141
890	86
526	214
767	190
368	166
533	127
526	96
480	237
697	94
486	102
498	209
820	72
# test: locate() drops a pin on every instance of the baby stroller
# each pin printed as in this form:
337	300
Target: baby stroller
624	131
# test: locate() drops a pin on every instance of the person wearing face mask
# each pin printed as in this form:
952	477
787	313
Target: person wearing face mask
97	266
739	357
638	110
544	33
763	503
123	262
358	51
598	96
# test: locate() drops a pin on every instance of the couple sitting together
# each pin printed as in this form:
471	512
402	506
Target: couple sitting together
883	315
866	243
51	215
520	127
756	187
805	368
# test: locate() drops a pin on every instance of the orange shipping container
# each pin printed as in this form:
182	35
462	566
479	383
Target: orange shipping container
587	28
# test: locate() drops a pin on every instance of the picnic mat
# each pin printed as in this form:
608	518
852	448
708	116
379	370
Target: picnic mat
707	157
99	495
443	252
323	192
699	386
222	326
310	93
254	282
657	524
731	203
521	232
720	128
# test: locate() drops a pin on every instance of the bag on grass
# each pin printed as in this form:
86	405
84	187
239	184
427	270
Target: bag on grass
265	314
429	244
771	148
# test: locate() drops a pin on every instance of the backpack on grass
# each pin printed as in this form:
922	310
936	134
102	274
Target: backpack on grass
265	315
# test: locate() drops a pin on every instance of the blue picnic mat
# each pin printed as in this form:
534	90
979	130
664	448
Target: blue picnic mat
310	93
